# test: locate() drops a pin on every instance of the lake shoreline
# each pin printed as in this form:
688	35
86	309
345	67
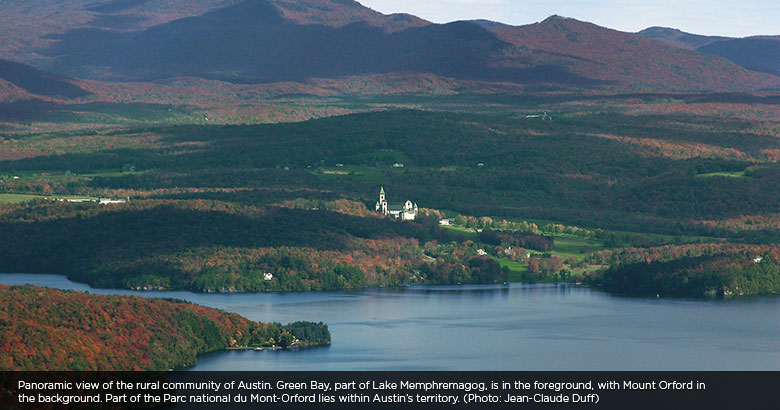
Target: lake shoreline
535	327
594	286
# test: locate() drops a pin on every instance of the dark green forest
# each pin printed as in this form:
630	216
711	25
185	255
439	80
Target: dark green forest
608	170
216	208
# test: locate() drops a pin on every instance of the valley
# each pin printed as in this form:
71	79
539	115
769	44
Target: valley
237	148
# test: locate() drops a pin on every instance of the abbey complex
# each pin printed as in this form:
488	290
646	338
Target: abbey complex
405	212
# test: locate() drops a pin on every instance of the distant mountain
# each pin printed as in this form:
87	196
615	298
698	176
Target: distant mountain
31	25
632	61
253	42
19	80
679	38
760	53
489	24
754	53
265	41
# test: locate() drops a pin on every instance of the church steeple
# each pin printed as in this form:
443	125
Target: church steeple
381	206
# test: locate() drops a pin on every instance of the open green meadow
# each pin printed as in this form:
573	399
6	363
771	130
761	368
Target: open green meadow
736	174
566	246
19	198
516	269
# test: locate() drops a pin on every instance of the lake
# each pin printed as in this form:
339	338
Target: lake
516	327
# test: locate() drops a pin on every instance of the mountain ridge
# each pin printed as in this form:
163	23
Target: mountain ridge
267	41
756	53
626	58
678	38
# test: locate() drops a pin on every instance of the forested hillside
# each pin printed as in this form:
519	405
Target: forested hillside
216	208
659	173
46	329
211	246
757	53
266	41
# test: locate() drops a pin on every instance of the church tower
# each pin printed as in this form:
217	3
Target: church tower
381	206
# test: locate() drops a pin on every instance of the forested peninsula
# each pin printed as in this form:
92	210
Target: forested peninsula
47	329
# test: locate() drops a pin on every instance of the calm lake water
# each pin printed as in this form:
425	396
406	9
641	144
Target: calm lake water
517	327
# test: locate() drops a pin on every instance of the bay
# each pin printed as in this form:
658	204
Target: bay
495	327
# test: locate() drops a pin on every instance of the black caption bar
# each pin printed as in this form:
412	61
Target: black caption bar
398	390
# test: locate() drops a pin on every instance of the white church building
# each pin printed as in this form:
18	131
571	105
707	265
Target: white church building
405	212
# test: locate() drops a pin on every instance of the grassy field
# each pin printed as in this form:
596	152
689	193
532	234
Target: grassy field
373	174
736	174
19	198
111	173
566	246
470	233
516	269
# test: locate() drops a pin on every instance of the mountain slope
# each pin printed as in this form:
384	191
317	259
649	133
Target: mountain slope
264	41
10	92
254	42
338	13
28	26
759	53
31	81
633	61
754	53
